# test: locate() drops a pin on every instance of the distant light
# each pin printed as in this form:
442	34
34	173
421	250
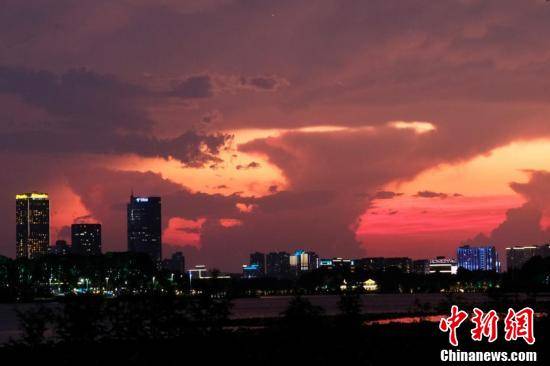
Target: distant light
142	199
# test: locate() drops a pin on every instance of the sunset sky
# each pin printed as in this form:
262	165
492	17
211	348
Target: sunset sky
351	128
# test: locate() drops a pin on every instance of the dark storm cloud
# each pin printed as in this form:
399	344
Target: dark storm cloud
93	113
523	225
194	87
431	194
263	83
78	98
206	86
386	195
276	222
190	148
478	70
251	165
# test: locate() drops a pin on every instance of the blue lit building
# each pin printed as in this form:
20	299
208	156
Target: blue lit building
478	258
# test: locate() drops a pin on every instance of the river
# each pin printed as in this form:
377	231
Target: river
266	307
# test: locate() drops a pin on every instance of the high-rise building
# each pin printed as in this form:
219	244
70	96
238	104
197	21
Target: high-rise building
176	263
86	239
258	259
517	256
478	258
278	264
302	261
32	228
144	227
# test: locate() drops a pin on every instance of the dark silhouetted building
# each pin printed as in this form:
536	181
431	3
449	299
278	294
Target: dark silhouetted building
278	264
86	239
517	256
544	250
61	248
478	258
421	266
176	263
379	264
32	228
144	227
258	259
404	264
372	264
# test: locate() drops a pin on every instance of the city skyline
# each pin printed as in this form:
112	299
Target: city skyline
356	128
144	235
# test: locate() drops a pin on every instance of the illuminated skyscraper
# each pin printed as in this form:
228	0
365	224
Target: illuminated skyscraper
144	227
302	261
32	228
478	258
86	239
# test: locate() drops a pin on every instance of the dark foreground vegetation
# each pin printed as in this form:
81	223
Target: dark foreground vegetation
167	330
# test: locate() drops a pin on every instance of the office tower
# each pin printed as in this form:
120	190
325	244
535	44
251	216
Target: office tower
86	239
144	227
302	261
278	264
477	258
176	263
258	259
517	256
443	265
32	227
61	248
421	266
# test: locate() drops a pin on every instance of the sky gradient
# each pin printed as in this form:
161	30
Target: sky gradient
352	128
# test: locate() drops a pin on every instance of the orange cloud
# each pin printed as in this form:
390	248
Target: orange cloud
182	232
